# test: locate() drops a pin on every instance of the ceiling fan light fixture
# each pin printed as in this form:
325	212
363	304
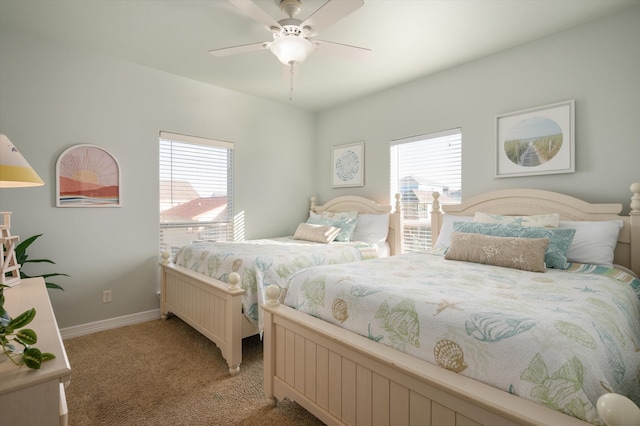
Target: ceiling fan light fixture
291	49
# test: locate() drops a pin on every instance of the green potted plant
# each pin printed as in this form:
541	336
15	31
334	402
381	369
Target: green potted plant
22	258
12	330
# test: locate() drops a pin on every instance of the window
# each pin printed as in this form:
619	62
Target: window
421	165
196	190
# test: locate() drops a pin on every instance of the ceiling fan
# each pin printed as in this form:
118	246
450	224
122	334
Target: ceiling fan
293	38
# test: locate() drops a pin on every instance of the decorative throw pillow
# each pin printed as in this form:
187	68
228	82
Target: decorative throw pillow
517	253
559	239
537	221
594	242
346	226
316	233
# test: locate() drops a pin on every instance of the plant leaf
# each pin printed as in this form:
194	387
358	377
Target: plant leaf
53	285
23	319
21	248
32	358
27	337
46	356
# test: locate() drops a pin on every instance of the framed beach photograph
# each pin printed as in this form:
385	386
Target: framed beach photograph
536	141
87	176
347	165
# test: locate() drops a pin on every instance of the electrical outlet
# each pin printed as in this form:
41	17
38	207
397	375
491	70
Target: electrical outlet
106	296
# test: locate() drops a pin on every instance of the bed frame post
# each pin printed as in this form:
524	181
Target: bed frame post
436	218
269	366
634	219
395	227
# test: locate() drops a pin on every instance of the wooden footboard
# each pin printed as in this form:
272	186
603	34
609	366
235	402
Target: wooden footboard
212	307
343	378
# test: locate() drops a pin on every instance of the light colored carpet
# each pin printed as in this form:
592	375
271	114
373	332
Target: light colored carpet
166	373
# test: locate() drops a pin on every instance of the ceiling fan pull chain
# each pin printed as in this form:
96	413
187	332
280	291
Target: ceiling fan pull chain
291	81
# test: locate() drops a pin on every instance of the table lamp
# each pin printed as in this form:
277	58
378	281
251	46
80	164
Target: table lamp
15	172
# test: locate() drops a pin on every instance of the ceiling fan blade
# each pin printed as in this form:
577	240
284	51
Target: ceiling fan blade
331	12
236	50
254	12
341	50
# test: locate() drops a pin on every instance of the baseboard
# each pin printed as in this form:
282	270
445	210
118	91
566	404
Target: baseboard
94	327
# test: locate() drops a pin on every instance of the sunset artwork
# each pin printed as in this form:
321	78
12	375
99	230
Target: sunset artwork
88	176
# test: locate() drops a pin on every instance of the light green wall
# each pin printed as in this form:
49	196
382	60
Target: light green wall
52	97
597	64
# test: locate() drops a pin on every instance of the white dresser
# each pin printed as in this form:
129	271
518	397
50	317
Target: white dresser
34	397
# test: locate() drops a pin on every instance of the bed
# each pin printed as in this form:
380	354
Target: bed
214	300
347	378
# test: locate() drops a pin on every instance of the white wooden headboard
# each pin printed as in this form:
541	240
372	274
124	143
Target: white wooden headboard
349	203
535	201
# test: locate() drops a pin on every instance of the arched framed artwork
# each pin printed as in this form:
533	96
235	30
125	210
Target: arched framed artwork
87	176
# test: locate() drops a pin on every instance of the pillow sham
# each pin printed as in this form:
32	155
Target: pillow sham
444	237
316	233
538	220
334	215
559	239
526	254
347	226
371	228
594	242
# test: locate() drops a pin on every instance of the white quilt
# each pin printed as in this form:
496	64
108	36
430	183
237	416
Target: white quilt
559	338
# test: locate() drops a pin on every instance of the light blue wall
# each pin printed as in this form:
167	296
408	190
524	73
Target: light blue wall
53	97
597	64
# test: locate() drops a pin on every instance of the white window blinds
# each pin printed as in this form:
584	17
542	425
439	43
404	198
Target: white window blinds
196	190
421	165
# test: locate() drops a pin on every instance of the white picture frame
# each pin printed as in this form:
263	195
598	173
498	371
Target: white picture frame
347	165
536	141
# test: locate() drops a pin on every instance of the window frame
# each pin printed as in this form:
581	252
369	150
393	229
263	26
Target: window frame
416	199
201	230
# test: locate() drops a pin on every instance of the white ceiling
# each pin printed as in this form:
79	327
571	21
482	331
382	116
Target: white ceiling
409	38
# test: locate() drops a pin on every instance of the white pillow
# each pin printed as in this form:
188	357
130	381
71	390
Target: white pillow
444	237
594	242
371	228
537	221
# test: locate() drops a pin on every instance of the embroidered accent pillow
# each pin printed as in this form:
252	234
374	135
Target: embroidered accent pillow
510	252
316	233
559	239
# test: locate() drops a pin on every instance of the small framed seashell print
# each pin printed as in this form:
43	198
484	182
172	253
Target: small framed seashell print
347	165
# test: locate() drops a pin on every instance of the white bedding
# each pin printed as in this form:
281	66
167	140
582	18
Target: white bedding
266	261
559	338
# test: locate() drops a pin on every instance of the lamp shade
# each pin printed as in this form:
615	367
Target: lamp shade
15	172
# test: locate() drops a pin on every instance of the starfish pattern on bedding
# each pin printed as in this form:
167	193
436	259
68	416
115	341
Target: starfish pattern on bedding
444	304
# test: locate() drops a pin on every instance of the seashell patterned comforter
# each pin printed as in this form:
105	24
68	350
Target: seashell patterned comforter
264	262
559	338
